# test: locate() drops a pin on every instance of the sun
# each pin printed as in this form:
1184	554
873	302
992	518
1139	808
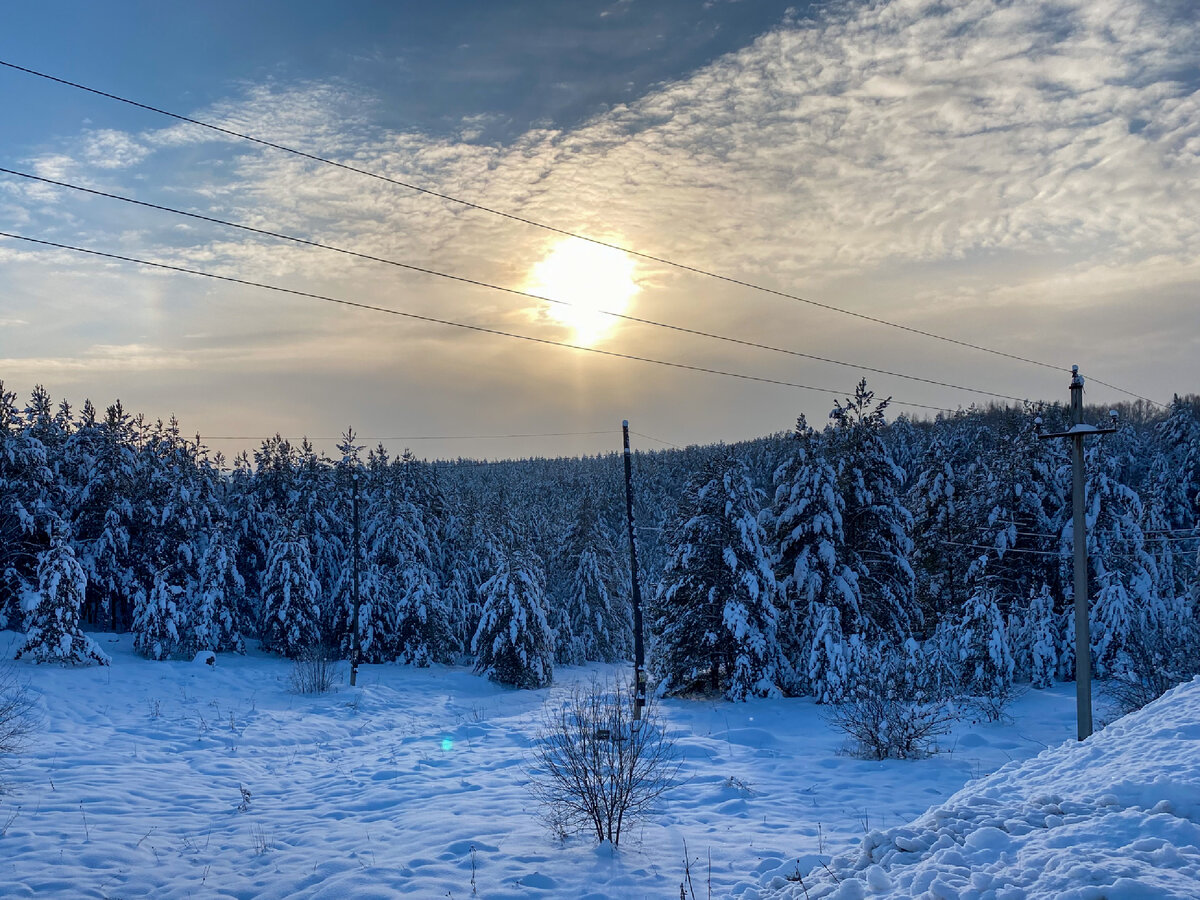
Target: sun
590	278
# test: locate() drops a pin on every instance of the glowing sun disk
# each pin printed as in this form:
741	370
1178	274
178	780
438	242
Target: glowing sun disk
590	278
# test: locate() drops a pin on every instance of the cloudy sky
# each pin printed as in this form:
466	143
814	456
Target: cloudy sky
1016	175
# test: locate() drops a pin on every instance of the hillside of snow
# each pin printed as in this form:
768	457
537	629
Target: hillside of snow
1116	816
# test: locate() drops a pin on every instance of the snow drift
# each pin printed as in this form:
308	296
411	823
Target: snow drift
1116	816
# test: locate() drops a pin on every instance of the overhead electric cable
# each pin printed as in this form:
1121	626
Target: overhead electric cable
421	437
552	228
515	291
408	315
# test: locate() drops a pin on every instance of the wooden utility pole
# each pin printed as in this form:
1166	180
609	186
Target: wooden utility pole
639	650
1083	638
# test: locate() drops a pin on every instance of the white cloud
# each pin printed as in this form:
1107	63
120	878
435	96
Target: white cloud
981	169
109	149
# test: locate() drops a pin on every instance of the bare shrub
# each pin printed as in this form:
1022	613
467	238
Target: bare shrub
18	713
314	670
595	768
884	727
889	715
1155	662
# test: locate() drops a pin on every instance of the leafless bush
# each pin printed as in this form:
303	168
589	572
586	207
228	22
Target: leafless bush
314	670
18	713
1155	662
885	718
595	768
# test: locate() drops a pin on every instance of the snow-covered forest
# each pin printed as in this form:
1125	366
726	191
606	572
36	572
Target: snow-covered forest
804	563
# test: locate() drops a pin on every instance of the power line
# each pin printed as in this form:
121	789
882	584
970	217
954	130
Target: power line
554	229
656	440
408	315
421	437
515	291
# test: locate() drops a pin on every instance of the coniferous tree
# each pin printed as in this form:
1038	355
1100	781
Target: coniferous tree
985	655
53	632
818	587
513	644
24	506
1120	569
941	535
1043	625
715	606
876	524
1019	503
593	624
158	619
215	622
291	597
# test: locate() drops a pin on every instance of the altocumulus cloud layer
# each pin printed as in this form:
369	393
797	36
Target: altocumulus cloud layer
1015	174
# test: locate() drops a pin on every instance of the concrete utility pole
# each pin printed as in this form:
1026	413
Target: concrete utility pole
1083	638
639	650
354	648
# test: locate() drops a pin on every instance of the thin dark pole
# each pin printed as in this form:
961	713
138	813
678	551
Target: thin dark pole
639	650
354	648
1083	637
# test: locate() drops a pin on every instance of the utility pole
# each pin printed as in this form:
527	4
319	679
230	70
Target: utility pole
354	649
639	650
1083	638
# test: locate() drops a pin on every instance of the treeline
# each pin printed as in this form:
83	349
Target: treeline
796	563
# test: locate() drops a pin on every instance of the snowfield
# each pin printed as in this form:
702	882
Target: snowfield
1116	817
413	784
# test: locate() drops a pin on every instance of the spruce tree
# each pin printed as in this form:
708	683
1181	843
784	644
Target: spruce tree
819	588
215	622
876	523
1121	571
291	597
985	655
52	633
513	644
715	614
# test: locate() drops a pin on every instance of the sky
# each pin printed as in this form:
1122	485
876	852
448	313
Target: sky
1019	176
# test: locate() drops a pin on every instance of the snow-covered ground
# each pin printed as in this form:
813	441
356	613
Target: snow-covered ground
1115	817
413	783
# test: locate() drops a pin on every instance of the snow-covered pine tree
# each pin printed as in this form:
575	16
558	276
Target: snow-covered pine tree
158	620
291	594
715	614
215	622
423	633
594	624
1119	566
1016	505
1043	625
513	644
24	477
406	619
941	536
107	525
52	630
818	588
985	655
876	524
252	525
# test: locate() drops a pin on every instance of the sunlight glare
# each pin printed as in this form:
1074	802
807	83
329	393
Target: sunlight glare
591	278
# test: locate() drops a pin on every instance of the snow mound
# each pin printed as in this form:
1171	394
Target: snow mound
1117	815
